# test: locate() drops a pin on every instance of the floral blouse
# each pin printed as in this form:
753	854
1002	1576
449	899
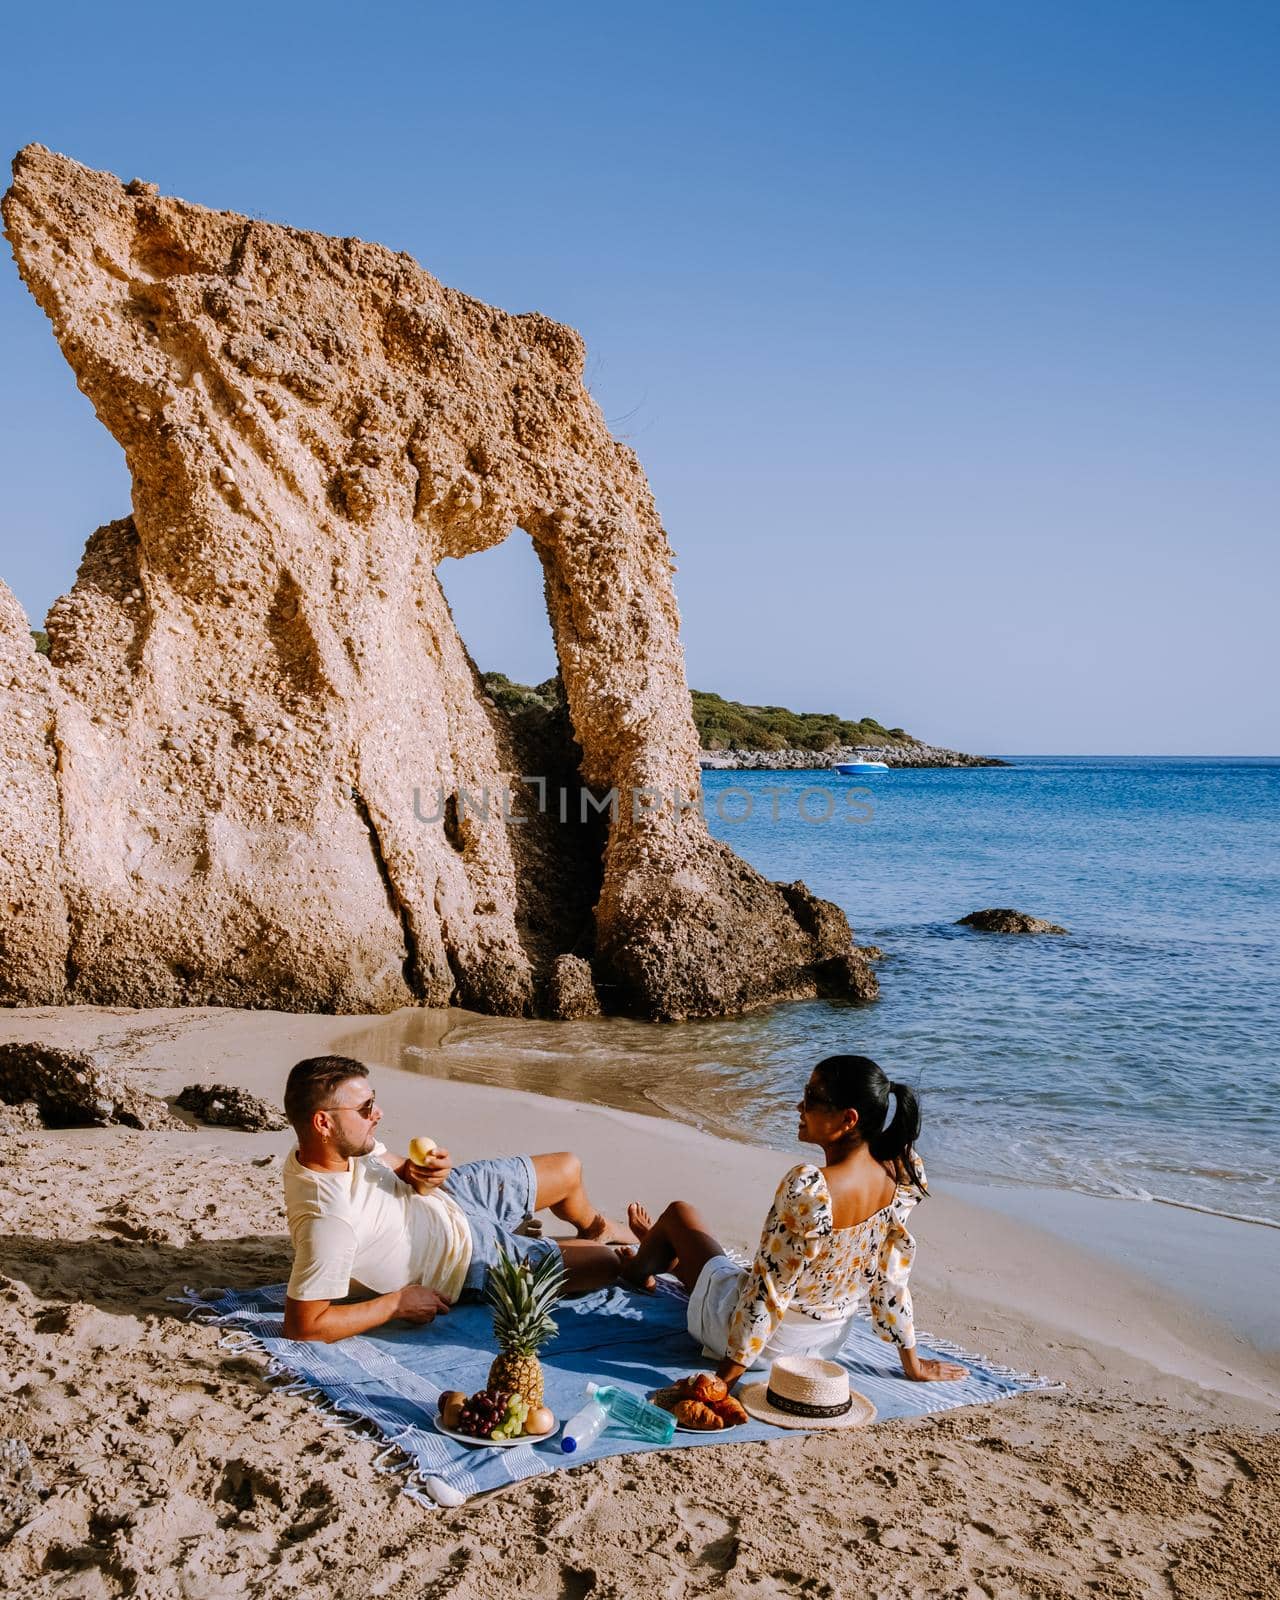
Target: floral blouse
806	1263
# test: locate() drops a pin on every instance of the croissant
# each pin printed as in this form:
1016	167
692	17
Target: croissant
730	1411
693	1414
708	1389
670	1397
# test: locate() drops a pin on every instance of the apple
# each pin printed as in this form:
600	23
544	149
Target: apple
420	1150
539	1420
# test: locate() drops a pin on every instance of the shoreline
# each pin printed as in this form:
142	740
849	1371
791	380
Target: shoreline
911	754
1058	1237
417	1042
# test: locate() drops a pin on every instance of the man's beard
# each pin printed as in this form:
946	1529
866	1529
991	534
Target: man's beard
347	1148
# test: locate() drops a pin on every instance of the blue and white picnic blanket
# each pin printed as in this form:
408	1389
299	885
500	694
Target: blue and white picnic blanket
393	1378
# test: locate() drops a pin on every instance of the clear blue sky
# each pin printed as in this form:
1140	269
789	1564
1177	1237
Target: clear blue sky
947	333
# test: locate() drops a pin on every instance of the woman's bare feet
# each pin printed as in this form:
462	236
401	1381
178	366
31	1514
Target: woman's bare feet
638	1219
604	1230
627	1270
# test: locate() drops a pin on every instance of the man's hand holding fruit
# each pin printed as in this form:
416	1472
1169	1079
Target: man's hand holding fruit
427	1165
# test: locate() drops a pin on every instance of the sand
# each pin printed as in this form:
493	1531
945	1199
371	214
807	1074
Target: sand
164	1465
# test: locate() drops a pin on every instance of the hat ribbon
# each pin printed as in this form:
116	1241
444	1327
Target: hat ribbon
798	1408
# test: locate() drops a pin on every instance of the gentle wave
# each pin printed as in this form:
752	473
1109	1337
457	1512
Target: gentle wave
1234	1216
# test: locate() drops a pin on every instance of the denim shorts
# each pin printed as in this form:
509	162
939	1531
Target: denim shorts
496	1197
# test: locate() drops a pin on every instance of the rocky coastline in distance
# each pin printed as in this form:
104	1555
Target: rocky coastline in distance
738	737
893	755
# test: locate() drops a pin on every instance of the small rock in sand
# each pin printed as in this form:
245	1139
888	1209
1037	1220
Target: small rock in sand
72	1089
21	1118
229	1107
20	1487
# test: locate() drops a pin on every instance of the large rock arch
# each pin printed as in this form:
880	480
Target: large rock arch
216	790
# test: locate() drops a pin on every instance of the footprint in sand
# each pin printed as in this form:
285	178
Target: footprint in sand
576	1583
711	1540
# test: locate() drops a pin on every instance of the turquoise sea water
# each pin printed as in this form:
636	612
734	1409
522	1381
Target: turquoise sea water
1138	1056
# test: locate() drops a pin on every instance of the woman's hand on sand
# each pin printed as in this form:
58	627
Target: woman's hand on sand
922	1370
430	1175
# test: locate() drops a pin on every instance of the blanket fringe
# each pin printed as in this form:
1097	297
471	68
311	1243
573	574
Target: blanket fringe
390	1462
1033	1381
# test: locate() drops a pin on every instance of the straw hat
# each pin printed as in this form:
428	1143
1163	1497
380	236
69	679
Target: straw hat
804	1392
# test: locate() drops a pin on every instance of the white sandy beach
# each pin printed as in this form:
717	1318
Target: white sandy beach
169	1467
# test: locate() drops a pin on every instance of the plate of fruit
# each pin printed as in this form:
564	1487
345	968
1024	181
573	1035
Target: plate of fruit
701	1404
493	1417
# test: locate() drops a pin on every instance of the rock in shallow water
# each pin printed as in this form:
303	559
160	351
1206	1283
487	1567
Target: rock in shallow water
1001	919
571	992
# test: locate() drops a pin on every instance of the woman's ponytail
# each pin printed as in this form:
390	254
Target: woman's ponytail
894	1145
856	1083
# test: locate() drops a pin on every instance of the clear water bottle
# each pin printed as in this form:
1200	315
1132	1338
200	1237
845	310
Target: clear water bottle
584	1427
606	1404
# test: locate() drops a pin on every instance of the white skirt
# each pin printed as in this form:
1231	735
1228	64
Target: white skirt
714	1299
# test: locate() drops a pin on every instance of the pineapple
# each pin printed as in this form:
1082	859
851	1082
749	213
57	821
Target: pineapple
521	1297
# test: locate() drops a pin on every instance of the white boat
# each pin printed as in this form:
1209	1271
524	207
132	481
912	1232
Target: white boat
849	768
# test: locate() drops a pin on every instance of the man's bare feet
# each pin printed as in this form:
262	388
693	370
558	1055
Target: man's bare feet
638	1219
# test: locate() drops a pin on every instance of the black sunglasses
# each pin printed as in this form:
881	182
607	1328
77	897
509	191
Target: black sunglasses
364	1112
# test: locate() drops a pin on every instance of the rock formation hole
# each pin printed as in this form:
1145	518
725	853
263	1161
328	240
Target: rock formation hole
499	608
498	600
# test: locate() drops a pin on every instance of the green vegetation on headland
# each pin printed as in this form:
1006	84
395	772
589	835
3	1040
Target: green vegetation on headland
728	725
42	641
725	724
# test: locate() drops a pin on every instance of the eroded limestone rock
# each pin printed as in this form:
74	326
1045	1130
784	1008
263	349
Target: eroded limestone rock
224	788
571	991
33	912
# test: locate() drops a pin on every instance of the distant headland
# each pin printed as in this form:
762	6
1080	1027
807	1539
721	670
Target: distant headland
735	736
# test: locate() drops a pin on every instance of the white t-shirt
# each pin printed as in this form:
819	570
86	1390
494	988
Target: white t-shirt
364	1224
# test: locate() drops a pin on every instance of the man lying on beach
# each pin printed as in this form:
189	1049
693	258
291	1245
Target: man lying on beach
419	1236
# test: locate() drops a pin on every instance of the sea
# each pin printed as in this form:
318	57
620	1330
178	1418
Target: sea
1137	1056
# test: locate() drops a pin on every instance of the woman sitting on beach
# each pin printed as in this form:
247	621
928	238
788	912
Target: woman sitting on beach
834	1235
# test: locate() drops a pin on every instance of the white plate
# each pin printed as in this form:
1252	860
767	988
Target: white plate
495	1444
702	1433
